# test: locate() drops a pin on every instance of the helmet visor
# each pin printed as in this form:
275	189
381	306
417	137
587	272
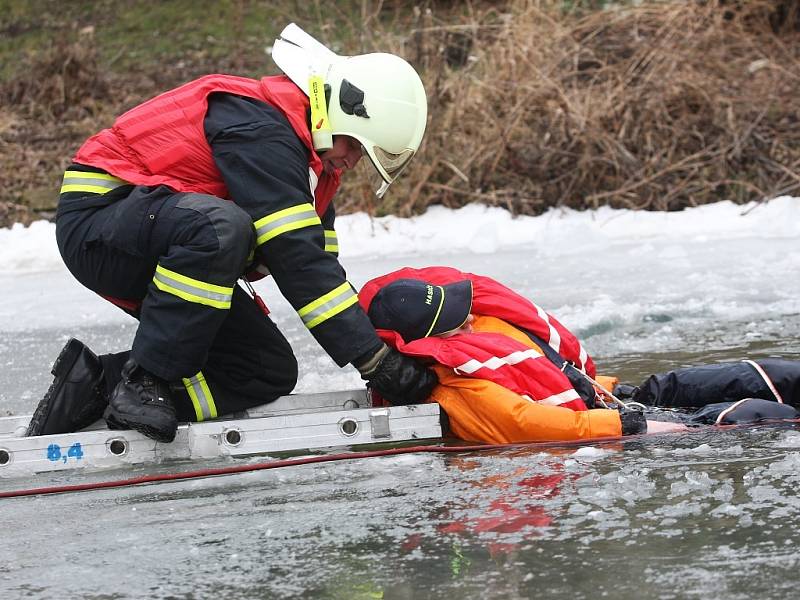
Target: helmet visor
388	165
393	164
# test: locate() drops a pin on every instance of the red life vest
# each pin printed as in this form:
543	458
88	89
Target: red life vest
162	141
495	357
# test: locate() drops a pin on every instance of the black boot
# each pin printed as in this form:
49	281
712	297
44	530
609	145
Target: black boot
143	402
76	398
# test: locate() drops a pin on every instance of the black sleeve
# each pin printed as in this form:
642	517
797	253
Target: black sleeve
331	239
265	167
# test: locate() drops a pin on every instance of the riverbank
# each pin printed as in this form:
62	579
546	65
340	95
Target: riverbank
657	105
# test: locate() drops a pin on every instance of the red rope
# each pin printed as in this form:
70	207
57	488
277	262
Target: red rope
291	462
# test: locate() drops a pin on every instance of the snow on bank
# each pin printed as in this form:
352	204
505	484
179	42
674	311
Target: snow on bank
479	229
27	249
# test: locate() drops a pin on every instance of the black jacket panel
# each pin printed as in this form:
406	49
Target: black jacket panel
265	167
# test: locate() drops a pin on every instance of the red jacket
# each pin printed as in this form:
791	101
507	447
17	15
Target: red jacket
162	141
495	357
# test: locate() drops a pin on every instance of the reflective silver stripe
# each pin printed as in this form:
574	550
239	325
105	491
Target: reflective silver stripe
200	394
766	379
496	362
331	241
95	183
110	185
329	305
562	398
192	290
288	219
555	339
725	412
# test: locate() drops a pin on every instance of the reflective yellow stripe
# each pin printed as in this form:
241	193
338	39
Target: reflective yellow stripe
95	183
438	310
288	219
192	290
331	241
327	306
202	399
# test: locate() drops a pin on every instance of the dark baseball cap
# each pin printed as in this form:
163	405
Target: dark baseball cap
416	309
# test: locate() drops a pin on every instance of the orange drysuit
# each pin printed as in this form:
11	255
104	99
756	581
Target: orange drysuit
483	411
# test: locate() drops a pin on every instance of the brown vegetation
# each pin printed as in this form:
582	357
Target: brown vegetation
660	106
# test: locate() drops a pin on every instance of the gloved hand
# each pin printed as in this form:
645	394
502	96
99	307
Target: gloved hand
633	422
398	378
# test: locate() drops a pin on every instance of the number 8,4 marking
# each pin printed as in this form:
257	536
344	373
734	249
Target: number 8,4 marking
54	452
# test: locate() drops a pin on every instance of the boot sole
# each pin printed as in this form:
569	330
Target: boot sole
62	365
117	421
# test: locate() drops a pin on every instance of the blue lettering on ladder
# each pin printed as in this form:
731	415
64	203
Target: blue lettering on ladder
54	452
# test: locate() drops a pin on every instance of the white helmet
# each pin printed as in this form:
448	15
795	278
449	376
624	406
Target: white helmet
378	99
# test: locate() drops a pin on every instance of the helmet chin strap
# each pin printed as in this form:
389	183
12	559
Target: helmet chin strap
321	132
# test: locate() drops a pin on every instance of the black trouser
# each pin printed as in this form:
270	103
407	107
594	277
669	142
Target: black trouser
176	257
695	387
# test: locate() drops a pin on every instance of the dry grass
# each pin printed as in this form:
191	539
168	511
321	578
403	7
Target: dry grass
660	106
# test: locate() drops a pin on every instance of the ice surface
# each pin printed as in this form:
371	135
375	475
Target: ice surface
685	516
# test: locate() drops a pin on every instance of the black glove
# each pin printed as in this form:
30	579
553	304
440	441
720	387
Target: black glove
633	422
398	378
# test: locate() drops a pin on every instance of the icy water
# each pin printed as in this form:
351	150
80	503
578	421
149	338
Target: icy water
710	514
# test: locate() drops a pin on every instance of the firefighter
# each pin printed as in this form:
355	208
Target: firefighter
511	372
223	178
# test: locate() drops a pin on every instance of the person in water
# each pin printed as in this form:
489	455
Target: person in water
511	372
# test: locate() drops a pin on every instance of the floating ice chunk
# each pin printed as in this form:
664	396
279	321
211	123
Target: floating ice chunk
745	521
789	465
764	493
694	482
724	492
682	509
701	449
790	439
590	452
730	510
706	449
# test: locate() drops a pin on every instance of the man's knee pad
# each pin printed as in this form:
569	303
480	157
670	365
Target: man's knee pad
228	225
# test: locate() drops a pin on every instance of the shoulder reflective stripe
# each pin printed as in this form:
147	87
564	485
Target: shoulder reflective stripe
327	306
95	183
288	219
766	379
93	189
555	339
202	400
192	290
91	175
494	363
331	241
561	398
